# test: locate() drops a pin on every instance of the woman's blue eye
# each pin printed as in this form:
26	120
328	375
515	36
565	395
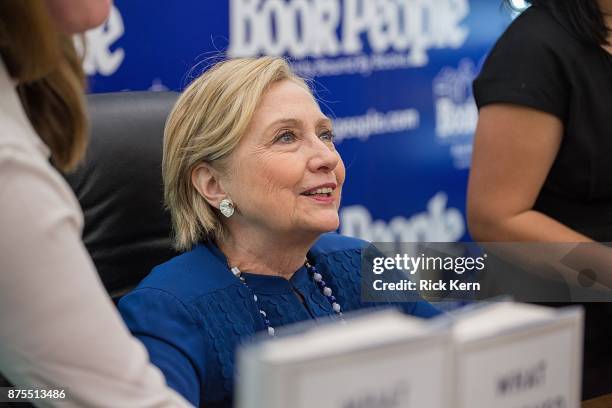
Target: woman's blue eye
327	136
286	137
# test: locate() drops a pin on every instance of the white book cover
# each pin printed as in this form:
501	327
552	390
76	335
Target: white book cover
383	359
500	355
512	355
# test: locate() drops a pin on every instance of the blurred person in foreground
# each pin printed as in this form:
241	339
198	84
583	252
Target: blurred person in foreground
253	183
58	328
541	169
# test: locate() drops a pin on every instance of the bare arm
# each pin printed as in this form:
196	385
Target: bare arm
514	149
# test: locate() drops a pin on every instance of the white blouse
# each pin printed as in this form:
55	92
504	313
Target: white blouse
58	327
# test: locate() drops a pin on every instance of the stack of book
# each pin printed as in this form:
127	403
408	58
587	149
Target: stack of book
500	355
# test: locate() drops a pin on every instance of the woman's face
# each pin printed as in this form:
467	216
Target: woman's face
286	176
77	16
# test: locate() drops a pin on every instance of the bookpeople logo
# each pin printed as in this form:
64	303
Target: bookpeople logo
456	112
398	33
437	223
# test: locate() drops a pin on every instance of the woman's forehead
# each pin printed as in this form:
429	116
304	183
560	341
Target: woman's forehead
287	101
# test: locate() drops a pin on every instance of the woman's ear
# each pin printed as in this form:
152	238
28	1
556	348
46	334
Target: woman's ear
206	180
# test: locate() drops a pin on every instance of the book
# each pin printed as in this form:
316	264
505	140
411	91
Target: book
512	355
502	354
382	359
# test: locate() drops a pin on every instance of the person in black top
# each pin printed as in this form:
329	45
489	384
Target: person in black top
542	160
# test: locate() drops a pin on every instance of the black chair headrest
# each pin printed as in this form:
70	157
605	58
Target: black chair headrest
120	189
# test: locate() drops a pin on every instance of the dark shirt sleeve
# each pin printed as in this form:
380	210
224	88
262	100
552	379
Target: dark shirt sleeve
171	335
526	67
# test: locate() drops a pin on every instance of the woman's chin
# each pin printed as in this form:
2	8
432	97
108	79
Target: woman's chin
326	225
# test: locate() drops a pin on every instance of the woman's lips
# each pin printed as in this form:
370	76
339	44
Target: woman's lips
322	198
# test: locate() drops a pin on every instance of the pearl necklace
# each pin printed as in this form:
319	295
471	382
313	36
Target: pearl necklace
316	277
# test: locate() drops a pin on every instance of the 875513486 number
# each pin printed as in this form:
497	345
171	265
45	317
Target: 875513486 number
11	394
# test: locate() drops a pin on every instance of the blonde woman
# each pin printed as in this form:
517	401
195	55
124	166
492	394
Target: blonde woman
253	183
58	328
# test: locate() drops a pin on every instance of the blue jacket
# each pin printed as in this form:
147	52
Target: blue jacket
191	312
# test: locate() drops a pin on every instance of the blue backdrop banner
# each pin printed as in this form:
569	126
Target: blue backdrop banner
395	76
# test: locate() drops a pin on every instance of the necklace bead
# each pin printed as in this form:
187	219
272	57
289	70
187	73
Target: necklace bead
316	277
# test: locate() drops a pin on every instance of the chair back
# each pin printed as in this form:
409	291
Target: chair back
119	186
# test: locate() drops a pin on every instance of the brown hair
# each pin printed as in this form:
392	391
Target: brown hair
49	75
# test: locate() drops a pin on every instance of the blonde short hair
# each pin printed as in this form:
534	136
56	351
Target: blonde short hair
205	126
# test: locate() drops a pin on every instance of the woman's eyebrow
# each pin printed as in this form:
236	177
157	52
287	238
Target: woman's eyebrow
285	121
324	121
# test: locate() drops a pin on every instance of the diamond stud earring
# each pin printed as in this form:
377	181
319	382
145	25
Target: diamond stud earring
226	206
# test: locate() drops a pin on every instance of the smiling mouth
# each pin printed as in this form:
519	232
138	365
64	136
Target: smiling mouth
320	192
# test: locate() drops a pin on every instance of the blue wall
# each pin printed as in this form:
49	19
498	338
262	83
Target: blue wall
394	74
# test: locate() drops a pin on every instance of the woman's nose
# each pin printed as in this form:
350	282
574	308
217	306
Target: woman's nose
324	156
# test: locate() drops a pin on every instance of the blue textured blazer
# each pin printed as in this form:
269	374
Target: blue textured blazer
191	312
